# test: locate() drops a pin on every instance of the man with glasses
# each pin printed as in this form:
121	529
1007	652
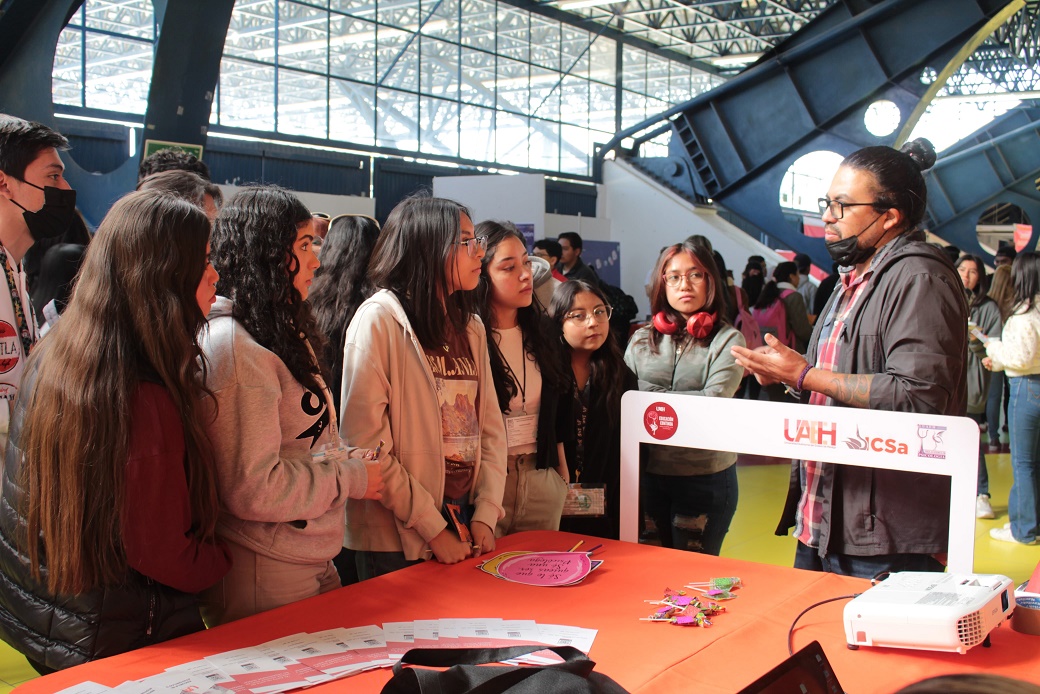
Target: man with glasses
893	336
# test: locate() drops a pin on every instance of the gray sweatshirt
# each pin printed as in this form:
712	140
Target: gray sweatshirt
277	496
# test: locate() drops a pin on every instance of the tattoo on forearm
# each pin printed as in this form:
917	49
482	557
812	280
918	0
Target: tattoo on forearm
851	389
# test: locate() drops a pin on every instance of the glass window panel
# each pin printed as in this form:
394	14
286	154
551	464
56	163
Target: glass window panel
398	121
545	94
574	106
633	108
603	105
251	32
513	89
680	83
302	37
302	103
478	77
246	95
366	9
478	124
399	13
444	23
353	49
481	20
657	77
398	59
603	60
655	106
574	150
214	110
67	73
127	17
439	68
438	127
511	139
703	81
545	145
352	112
119	72
575	49
657	147
513	34
545	43
633	69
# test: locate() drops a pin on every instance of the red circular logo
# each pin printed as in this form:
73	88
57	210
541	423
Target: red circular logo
8	347
660	421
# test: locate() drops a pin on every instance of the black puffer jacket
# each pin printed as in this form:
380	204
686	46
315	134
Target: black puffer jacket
62	631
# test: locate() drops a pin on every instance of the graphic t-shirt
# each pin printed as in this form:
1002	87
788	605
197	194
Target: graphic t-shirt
455	375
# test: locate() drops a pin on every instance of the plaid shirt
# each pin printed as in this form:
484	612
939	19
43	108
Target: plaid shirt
810	505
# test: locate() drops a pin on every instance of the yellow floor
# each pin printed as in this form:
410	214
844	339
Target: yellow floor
762	490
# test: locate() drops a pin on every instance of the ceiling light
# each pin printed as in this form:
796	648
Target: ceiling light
734	59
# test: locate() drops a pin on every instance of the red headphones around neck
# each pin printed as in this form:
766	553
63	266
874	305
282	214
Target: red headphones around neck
699	325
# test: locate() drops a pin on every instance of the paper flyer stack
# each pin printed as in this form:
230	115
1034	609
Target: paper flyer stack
304	660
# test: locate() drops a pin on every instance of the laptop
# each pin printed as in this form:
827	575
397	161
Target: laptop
805	672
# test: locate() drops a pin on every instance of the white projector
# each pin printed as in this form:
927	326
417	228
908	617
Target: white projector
929	611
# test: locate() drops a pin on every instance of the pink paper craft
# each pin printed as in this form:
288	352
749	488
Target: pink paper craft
549	569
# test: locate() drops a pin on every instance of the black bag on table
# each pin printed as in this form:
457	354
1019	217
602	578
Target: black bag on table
466	673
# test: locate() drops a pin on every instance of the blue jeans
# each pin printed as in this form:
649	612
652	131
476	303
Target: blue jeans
808	558
692	512
983	483
1024	426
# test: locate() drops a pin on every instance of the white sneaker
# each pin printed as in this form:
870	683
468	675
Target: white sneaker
1004	535
983	508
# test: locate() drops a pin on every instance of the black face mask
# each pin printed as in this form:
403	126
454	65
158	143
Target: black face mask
55	217
847	252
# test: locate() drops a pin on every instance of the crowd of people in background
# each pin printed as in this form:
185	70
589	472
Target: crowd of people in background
247	422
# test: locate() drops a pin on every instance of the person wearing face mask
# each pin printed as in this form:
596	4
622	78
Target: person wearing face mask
35	203
891	337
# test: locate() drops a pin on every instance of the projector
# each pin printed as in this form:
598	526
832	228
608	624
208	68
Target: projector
929	611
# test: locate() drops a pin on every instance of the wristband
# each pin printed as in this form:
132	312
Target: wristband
801	378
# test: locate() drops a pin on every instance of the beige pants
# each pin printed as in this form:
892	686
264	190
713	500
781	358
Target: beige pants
533	498
257	583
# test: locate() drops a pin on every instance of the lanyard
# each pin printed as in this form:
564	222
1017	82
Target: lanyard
512	374
581	397
16	302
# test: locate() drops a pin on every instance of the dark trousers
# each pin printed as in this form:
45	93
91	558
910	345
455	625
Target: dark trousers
808	558
692	512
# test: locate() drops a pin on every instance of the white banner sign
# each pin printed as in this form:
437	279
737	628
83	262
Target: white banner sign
844	435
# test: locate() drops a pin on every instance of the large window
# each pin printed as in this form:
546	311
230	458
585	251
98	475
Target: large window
475	80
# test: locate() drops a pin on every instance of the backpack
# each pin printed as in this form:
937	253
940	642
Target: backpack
747	325
773	319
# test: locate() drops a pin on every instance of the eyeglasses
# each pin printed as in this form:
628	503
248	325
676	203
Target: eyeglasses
474	245
674	279
837	208
600	315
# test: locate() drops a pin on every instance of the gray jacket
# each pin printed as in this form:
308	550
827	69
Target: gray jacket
987	316
701	368
909	331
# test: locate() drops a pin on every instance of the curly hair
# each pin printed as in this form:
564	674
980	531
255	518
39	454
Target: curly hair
607	364
540	335
133	316
419	239
252	249
341	284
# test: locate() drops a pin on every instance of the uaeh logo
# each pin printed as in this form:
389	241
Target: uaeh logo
811	432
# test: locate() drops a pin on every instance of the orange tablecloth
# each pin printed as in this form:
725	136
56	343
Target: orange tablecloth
745	642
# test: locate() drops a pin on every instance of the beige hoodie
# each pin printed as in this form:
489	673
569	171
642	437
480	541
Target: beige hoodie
276	497
388	393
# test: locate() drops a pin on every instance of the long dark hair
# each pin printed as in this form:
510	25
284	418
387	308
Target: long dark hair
716	302
771	292
419	239
1002	290
341	284
253	239
978	295
540	337
607	365
1025	275
133	315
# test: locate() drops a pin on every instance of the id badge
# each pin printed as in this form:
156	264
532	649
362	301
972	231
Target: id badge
585	500
521	429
